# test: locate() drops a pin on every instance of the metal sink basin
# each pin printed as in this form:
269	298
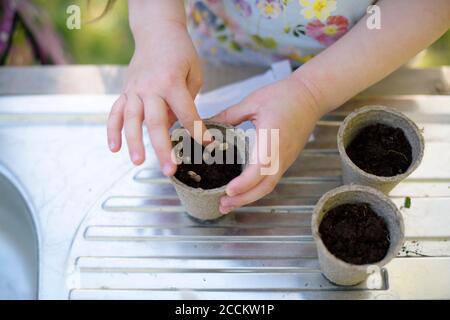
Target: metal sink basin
18	243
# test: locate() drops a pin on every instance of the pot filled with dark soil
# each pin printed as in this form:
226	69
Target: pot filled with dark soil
379	147
203	172
355	227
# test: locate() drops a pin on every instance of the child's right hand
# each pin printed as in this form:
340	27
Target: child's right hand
162	81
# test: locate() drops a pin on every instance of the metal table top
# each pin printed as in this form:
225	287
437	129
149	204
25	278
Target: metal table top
137	242
111	230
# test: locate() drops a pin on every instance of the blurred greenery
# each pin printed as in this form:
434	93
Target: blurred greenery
438	54
109	41
105	41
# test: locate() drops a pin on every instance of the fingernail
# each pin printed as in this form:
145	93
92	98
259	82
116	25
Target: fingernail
224	210
167	170
207	137
223	201
135	157
230	192
112	145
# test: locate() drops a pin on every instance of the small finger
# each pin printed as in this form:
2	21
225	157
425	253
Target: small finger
265	187
235	115
157	122
115	124
134	116
249	178
194	82
182	104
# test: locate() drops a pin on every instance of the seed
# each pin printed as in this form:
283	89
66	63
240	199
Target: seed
194	176
191	174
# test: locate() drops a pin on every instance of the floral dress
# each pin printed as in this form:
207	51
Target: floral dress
27	35
263	31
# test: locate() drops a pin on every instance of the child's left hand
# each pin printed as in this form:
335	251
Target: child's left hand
286	105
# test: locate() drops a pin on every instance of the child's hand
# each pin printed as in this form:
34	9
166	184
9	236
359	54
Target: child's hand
162	81
287	106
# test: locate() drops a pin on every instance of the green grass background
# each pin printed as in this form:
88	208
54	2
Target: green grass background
109	40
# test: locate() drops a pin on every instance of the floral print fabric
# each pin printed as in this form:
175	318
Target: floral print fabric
7	14
263	31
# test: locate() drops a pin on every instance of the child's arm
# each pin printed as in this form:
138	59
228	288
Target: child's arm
162	81
361	58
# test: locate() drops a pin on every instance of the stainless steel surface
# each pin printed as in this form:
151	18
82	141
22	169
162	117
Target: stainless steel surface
106	79
110	230
18	242
95	79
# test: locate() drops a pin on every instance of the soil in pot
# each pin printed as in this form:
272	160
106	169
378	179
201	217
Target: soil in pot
381	150
209	176
354	233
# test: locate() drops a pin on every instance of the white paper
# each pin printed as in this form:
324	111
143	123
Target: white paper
213	102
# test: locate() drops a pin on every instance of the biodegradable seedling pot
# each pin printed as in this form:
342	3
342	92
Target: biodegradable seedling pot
201	203
367	116
337	270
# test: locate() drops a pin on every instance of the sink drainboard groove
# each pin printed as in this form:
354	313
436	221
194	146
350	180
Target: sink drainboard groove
139	243
135	246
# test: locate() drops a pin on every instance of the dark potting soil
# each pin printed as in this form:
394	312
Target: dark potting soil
211	176
355	234
381	150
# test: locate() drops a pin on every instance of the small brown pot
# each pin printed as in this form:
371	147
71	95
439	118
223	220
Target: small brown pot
204	204
370	115
337	270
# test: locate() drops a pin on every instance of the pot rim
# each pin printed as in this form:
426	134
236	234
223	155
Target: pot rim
391	112
359	188
200	190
